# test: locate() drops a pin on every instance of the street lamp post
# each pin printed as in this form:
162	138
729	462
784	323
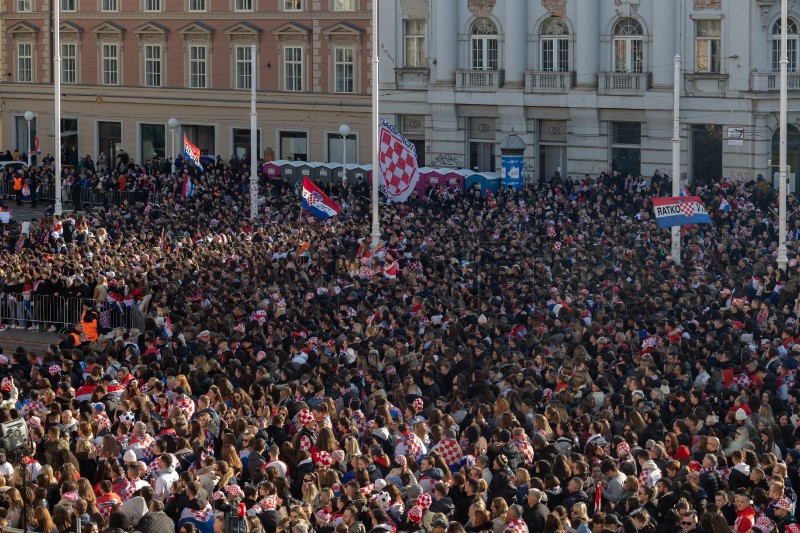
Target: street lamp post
344	131
28	118
173	125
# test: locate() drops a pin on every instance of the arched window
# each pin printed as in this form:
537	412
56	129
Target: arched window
555	45
485	54
628	46
791	45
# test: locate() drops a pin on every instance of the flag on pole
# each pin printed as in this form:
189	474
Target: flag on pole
188	186
680	211
598	497
398	162
317	202
192	152
724	205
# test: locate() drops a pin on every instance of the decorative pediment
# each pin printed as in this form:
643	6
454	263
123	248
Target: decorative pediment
292	31
108	28
70	28
151	28
22	28
343	29
196	29
243	28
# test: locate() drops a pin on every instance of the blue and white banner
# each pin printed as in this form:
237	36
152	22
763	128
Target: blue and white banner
680	211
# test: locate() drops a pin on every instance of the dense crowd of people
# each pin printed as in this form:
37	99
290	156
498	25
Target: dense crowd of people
519	361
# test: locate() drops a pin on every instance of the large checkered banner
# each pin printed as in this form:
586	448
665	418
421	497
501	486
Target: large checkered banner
680	211
398	162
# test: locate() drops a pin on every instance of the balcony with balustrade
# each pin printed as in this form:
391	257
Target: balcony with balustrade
479	80
541	82
623	83
771	81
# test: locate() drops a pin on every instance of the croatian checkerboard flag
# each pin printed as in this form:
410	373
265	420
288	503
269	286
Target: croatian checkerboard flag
192	152
680	211
398	162
202	519
317	202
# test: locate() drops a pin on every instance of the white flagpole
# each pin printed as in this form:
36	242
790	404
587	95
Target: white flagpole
676	155
784	64
57	209
376	229
253	138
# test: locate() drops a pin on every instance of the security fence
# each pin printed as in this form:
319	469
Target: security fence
40	312
87	198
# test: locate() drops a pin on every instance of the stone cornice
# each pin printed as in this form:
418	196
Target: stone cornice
200	17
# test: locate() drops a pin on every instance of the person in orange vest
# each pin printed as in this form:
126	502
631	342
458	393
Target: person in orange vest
90	321
18	188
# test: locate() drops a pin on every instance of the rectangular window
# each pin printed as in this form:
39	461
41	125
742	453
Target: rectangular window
152	65
344	5
110	5
628	55
244	67
152	5
292	5
485	53
197	67
109	140
345	67
415	43
25	62
110	64
24	6
708	44
626	147
791	53
197	5
153	141
293	68
555	55
69	135
241	143
706	149
26	133
482	131
69	63
294	145
69	5
337	151
243	5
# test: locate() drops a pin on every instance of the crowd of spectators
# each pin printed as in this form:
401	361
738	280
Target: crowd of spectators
521	361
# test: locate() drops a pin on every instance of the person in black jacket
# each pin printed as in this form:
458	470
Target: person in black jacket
156	521
502	446
502	485
710	480
442	503
535	512
471	497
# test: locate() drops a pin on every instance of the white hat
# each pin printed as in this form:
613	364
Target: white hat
482	319
740	415
129	457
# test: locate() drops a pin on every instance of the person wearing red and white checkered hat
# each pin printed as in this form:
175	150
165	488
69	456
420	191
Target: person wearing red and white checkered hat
306	437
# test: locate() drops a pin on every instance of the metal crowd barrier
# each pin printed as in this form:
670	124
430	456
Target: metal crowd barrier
87	197
39	311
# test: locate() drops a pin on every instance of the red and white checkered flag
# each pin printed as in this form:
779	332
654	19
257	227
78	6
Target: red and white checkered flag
398	162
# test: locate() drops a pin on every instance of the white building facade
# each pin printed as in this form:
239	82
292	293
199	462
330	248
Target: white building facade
588	84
